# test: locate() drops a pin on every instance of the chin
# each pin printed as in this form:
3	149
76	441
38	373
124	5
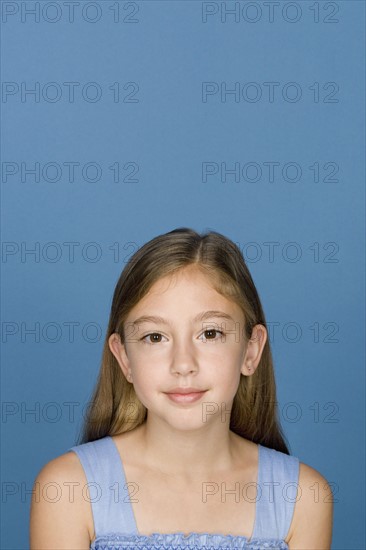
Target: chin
186	421
186	427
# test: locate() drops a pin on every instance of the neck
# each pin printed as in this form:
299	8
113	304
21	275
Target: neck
188	454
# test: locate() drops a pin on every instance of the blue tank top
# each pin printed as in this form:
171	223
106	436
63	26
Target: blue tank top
114	522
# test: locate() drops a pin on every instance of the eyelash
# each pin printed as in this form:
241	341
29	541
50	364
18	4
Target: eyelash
158	333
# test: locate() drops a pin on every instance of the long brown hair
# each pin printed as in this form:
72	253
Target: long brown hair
254	414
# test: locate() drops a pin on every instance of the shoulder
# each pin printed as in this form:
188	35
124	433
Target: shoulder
66	467
59	504
311	525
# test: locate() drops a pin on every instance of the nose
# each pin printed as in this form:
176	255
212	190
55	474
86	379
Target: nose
184	357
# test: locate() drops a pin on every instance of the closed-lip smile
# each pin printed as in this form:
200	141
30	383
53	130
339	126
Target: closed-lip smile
184	391
185	396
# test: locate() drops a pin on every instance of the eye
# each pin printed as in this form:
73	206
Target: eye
211	333
154	340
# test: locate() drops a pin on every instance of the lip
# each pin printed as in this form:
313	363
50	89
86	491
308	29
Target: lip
190	397
184	390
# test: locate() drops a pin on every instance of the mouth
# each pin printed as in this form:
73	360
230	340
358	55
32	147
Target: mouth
187	397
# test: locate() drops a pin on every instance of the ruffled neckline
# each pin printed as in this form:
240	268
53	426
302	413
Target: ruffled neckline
192	540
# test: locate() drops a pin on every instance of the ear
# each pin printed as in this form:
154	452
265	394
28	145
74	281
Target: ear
253	352
119	352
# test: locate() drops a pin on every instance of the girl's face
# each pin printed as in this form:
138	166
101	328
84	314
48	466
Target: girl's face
197	342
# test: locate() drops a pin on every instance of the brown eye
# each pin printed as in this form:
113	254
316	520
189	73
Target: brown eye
155	337
152	338
210	332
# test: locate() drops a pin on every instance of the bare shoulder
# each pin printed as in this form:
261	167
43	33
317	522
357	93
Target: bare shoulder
65	463
61	471
60	514
312	520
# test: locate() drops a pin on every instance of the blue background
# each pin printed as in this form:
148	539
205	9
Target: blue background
168	133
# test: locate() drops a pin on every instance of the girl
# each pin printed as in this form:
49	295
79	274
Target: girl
182	447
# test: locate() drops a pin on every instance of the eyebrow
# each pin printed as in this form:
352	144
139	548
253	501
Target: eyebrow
203	316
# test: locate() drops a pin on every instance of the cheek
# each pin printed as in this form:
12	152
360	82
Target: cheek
228	378
148	375
145	386
226	370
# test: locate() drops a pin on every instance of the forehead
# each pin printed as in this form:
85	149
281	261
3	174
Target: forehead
187	276
191	287
188	279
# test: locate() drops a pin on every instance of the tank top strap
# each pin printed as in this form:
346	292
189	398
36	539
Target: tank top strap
108	492
278	476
